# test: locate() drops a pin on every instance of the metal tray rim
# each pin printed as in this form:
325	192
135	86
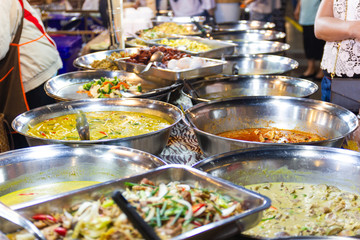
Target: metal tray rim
222	44
266	202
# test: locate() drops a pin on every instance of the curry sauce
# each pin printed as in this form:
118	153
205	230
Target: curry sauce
271	135
300	209
103	125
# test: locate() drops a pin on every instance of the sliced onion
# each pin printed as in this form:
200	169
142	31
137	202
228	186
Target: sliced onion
226	212
163	190
150	215
188	205
185	186
82	208
200	211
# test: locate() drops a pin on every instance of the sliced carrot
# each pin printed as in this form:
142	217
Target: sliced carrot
272	207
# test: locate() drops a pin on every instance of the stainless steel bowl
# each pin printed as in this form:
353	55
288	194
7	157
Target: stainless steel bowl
64	87
302	164
41	165
245	48
153	142
255	85
251	35
325	119
85	61
259	65
242	26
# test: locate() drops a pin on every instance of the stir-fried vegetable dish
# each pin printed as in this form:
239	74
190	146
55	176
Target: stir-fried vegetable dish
300	209
186	44
167	29
103	125
109	88
272	135
171	209
108	64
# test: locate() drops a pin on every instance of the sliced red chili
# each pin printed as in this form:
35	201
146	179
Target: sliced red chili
44	217
103	132
197	223
197	207
61	231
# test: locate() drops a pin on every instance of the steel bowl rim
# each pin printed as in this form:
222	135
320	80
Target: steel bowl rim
78	65
291	147
15	152
284	47
265	24
200	105
267	77
282	34
292	62
153	93
103	141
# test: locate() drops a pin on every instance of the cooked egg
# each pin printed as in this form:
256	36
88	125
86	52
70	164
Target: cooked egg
172	64
184	63
196	62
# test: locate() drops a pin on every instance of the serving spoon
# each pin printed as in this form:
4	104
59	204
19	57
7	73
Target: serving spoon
139	223
14	217
155	57
82	125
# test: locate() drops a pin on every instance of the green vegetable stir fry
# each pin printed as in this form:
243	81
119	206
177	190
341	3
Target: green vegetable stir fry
109	88
171	209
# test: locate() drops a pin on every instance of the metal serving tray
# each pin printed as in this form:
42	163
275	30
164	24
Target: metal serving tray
85	61
174	75
64	87
242	26
190	26
42	165
256	203
218	48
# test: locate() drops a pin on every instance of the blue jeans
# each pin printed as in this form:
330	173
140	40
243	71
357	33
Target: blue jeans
326	89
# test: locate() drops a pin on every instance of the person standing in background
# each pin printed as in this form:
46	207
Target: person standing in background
190	8
227	10
338	23
28	58
305	13
268	11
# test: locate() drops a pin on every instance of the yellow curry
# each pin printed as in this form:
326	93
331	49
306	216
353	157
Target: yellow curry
103	125
31	193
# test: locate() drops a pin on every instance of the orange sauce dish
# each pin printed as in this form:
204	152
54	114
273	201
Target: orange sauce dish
271	135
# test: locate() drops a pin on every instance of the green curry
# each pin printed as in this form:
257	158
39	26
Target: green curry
303	209
103	125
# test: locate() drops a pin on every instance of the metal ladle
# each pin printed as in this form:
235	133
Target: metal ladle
14	217
156	57
82	125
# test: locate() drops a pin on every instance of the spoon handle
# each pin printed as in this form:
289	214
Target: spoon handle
147	67
12	216
146	231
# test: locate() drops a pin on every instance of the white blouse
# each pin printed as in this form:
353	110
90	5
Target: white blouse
348	61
